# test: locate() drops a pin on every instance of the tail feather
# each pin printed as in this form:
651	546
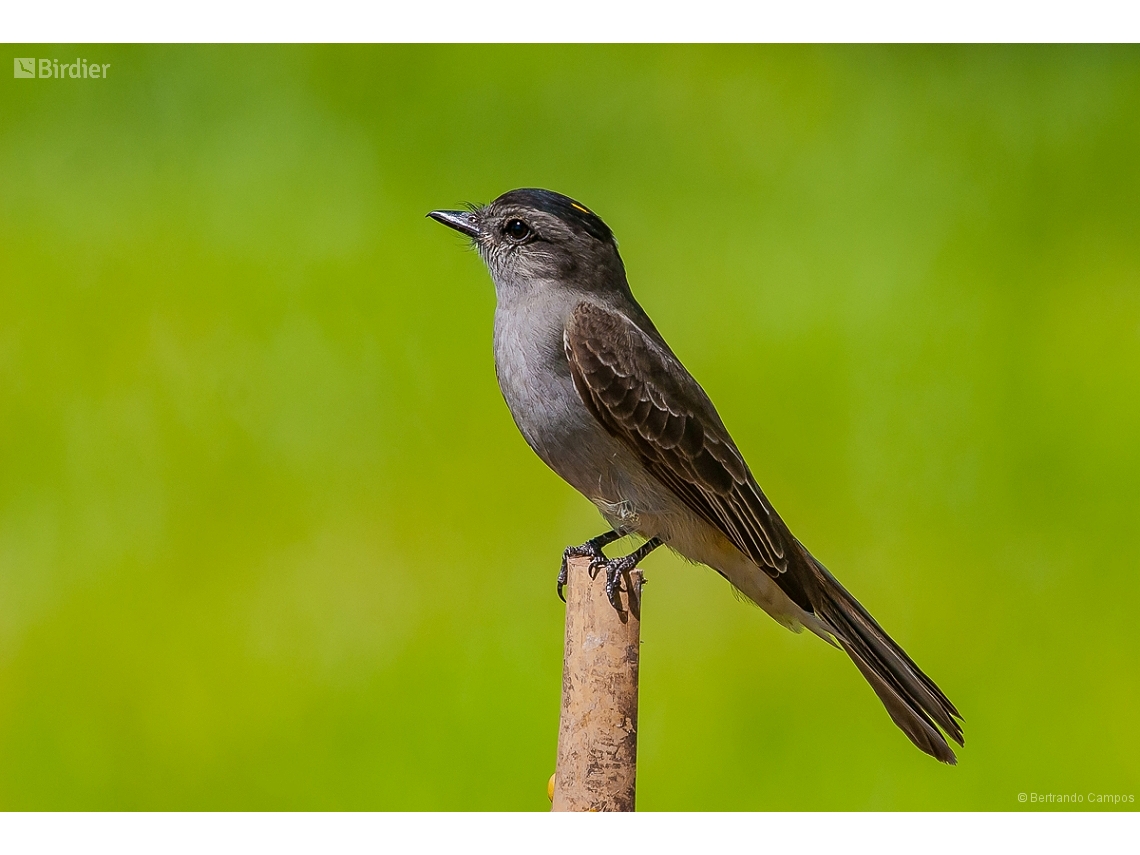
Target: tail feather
912	699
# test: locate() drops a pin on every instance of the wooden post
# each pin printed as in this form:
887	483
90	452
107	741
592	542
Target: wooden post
597	733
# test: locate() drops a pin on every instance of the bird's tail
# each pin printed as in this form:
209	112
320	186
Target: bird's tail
912	699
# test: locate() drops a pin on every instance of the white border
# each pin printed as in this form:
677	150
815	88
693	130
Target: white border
562	834
70	21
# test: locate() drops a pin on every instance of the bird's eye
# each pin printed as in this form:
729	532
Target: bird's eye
516	230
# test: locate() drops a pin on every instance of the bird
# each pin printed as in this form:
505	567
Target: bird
602	399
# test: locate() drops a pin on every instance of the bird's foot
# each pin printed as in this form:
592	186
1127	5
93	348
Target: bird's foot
615	568
591	549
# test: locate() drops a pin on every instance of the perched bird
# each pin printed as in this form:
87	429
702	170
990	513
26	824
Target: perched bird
603	400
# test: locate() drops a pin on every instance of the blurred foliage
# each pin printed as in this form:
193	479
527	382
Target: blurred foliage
269	539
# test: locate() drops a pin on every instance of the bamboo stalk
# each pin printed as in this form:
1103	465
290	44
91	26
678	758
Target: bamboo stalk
597	733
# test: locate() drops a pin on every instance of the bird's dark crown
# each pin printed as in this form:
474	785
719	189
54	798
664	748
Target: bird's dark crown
555	204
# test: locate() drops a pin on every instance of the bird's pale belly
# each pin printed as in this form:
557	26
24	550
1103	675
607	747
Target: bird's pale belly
562	432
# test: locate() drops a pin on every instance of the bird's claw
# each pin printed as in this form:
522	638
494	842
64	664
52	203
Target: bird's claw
615	568
590	550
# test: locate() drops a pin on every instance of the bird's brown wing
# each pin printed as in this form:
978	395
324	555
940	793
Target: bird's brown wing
641	394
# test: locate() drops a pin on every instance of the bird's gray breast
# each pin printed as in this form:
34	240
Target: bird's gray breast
534	376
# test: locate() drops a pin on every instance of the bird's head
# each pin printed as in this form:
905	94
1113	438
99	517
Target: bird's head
538	239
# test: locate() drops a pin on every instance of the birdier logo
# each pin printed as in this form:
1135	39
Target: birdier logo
81	68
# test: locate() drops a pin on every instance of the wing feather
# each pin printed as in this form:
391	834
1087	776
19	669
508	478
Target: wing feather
639	391
642	395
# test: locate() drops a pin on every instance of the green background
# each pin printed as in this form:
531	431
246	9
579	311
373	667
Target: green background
270	540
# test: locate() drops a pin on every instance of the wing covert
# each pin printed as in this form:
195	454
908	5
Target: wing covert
642	395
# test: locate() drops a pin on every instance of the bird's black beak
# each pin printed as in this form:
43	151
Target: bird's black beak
461	221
